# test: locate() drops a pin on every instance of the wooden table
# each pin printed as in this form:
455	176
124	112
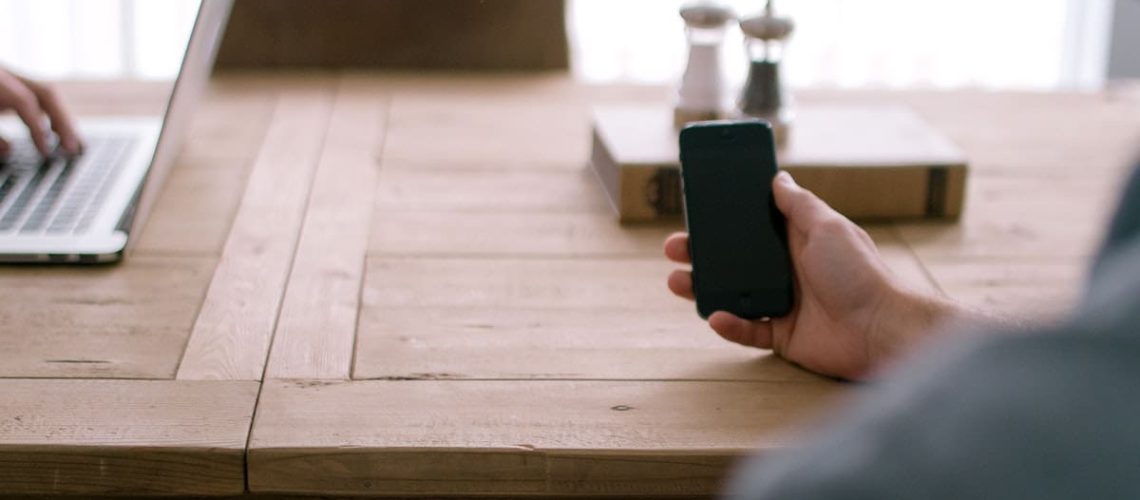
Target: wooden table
409	284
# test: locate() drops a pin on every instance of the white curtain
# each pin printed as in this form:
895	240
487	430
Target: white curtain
1018	44
95	39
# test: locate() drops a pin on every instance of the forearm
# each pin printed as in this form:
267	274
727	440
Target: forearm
906	318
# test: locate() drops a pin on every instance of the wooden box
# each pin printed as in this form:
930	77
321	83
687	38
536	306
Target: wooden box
869	162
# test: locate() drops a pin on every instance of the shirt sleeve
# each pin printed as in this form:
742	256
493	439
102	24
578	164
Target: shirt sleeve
1044	415
1048	414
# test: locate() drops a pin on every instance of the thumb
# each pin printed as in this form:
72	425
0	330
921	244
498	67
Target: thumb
801	207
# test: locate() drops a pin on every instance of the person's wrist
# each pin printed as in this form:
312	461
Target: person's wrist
904	318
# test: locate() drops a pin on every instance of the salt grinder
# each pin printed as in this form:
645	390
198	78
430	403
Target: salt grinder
702	86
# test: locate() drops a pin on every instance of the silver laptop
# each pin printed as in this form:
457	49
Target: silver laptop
86	209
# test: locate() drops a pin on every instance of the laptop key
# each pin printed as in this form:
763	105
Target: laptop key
16	211
47	203
56	195
6	187
82	202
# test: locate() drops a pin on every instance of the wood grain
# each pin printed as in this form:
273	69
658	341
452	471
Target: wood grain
403	188
1028	134
317	326
114	97
98	437
436	438
455	318
234	329
1011	217
1026	289
126	321
215	133
509	233
549	343
193	214
594	284
1042	135
462	131
512	233
900	258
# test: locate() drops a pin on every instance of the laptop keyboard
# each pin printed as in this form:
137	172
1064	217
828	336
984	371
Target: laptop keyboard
57	195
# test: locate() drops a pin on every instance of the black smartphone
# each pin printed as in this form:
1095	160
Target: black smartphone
737	236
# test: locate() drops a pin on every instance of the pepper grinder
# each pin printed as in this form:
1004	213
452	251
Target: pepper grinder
763	96
702	87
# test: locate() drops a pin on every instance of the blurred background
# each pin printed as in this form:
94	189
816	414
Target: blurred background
95	39
1022	44
1006	44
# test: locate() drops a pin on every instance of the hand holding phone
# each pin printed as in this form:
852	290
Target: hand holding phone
737	236
850	314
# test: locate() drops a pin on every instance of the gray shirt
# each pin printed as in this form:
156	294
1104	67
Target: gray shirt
1054	413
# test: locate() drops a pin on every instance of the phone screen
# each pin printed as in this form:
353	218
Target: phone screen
736	233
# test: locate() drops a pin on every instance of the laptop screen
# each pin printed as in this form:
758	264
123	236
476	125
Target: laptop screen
188	89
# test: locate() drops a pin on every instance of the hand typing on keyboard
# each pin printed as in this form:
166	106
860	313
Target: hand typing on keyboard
33	102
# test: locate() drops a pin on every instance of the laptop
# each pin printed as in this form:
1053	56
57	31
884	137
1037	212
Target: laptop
86	209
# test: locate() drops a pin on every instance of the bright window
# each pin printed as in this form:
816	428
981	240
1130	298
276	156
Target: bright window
95	39
1004	44
1020	44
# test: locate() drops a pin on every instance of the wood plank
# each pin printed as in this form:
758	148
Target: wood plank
1012	217
582	344
126	321
490	317
900	258
450	212
404	188
1034	134
1023	288
505	234
497	438
467	132
215	133
549	282
458	342
114	97
193	214
199	199
593	284
317	325
1024	134
79	437
232	335
511	234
